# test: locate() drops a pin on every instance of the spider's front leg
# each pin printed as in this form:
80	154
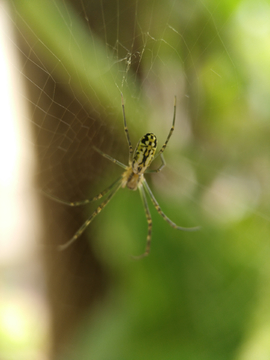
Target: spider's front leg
110	158
160	167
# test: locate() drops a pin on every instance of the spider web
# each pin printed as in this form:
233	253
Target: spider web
76	60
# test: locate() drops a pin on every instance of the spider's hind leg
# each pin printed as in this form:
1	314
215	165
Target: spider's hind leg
165	217
82	202
91	218
149	222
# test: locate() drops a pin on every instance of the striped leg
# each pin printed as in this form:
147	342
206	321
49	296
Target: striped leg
91	218
149	221
83	202
127	133
161	166
110	158
171	131
154	201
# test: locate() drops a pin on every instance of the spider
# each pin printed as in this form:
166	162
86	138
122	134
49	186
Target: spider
132	178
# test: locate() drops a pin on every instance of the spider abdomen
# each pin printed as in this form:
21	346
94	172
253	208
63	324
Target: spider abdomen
144	153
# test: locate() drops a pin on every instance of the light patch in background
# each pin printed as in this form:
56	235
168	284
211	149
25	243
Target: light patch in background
258	346
231	197
16	159
24	320
253	40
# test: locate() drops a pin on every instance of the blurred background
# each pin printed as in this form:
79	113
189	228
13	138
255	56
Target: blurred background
197	296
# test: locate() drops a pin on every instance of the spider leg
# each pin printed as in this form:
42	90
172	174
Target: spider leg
127	133
149	221
110	158
161	166
83	202
90	219
171	131
169	221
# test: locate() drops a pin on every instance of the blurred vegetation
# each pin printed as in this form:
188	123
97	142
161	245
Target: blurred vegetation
201	295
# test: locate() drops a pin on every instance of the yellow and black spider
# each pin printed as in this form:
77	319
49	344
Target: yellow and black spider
133	178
